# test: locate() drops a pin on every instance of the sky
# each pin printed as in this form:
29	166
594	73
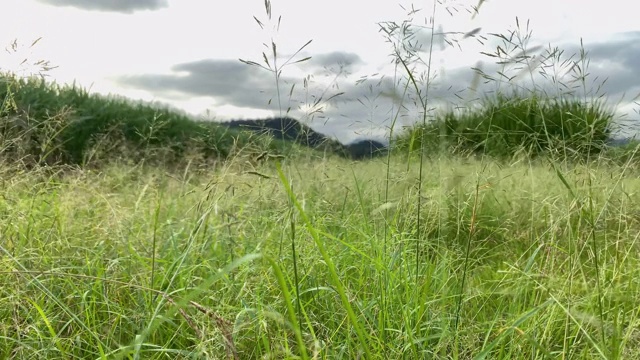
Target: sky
186	54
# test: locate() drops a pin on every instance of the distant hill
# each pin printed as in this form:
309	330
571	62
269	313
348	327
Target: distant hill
292	130
618	142
363	149
284	129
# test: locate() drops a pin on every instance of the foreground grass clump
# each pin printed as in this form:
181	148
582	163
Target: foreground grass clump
528	261
45	123
506	125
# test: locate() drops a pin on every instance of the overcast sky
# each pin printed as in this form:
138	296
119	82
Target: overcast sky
185	53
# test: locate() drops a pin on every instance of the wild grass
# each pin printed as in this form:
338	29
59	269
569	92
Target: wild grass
527	250
139	263
570	125
44	123
508	125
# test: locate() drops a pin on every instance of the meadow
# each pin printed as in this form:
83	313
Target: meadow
139	262
129	231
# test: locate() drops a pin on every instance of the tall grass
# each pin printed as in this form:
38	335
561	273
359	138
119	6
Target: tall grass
79	246
510	125
45	123
555	114
442	255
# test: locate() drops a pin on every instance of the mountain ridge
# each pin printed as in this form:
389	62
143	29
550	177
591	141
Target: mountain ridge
290	129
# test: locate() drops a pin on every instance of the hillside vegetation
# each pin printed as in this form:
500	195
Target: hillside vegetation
504	126
45	123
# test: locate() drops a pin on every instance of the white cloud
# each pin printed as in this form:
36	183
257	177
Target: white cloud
123	6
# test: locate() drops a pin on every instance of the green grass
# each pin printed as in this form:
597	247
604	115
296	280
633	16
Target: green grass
104	264
132	232
504	126
45	123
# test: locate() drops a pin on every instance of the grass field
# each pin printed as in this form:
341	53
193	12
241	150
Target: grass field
519	261
133	232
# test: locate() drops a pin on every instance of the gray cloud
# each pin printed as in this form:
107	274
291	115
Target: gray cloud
227	81
418	38
618	62
365	108
337	59
234	83
369	108
122	6
625	49
363	111
615	61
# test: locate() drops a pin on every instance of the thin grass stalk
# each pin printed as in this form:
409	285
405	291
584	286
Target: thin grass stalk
425	105
472	232
592	221
420	173
292	313
294	256
362	338
384	280
156	216
418	220
596	259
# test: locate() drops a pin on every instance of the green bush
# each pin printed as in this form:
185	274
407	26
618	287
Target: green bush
506	125
41	122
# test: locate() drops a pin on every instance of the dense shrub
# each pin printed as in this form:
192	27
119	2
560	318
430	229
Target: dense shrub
41	122
505	125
